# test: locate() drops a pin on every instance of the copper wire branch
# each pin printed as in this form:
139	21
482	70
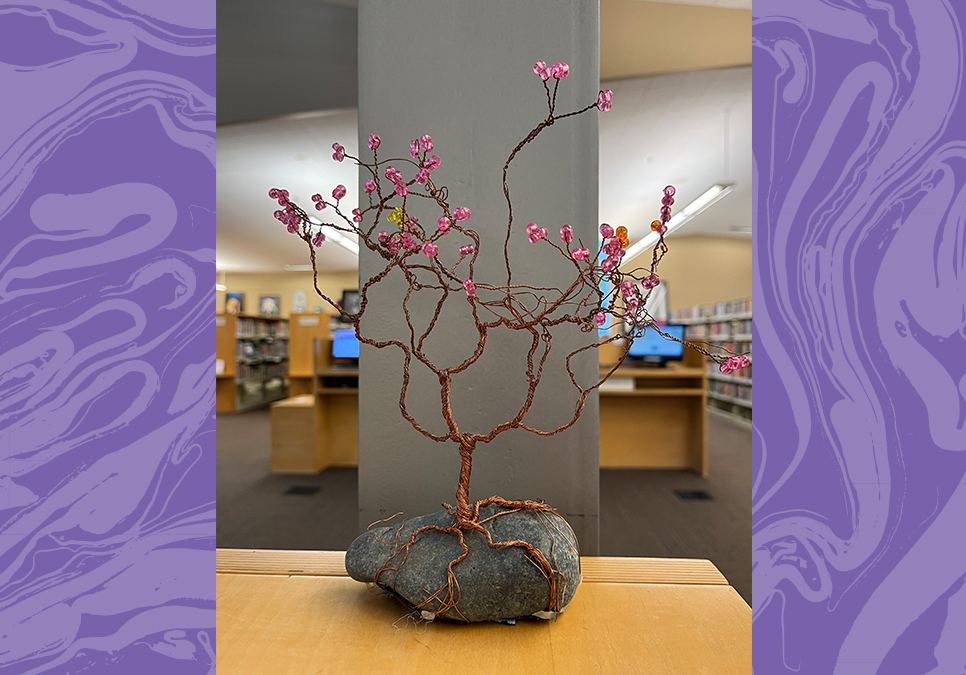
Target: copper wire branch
534	309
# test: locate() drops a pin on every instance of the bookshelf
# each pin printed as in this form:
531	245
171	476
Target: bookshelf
252	361
728	325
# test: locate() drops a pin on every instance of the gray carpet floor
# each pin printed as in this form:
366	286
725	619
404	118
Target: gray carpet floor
641	512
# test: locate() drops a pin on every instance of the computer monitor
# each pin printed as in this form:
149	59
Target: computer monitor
345	345
655	348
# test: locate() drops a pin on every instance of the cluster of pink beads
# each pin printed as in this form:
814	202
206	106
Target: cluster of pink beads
666	204
612	247
735	363
558	71
535	234
406	241
631	297
289	216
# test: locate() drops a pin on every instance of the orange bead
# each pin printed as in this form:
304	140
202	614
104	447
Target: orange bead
655	225
622	236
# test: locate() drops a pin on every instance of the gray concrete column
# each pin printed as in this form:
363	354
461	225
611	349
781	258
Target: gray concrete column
461	72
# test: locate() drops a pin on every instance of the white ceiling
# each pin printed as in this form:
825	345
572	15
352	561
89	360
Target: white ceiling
688	129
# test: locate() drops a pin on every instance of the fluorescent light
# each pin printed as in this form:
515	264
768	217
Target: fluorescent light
298	268
710	196
339	238
221	287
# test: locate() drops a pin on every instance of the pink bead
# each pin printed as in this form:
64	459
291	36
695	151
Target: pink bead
580	254
422	176
401	189
356	216
632	305
667	200
427	143
608	264
374	141
414	148
560	70
319	206
467	250
566	234
461	213
600	319
432	163
318	239
338	192
383	237
726	369
430	249
470	288
370	186
669	190
606	231
628	289
540	68
650	282
604	100
339	153
443	224
662	229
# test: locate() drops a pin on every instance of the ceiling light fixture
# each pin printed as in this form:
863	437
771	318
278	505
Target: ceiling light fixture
223	285
710	196
339	238
298	268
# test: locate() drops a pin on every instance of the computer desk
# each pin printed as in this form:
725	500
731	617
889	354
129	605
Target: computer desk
661	423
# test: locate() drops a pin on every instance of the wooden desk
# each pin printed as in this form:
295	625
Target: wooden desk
297	612
659	424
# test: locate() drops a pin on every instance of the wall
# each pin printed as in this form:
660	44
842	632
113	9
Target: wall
643	38
701	270
284	57
284	285
462	72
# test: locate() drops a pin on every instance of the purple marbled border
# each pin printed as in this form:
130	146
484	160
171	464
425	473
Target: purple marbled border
107	198
859	497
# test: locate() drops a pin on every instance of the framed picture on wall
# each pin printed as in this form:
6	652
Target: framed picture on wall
268	305
234	303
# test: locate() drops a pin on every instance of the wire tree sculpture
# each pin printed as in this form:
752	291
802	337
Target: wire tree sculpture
419	254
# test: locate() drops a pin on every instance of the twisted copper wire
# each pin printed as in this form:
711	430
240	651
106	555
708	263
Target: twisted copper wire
548	307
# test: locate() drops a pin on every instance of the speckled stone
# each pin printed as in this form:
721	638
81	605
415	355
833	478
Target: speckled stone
494	584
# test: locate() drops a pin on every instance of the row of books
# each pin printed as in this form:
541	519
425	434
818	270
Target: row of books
260	371
728	308
248	327
719	329
270	351
739	391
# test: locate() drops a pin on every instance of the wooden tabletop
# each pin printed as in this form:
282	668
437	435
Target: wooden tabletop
298	612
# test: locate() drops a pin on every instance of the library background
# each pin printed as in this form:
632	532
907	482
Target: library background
288	367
